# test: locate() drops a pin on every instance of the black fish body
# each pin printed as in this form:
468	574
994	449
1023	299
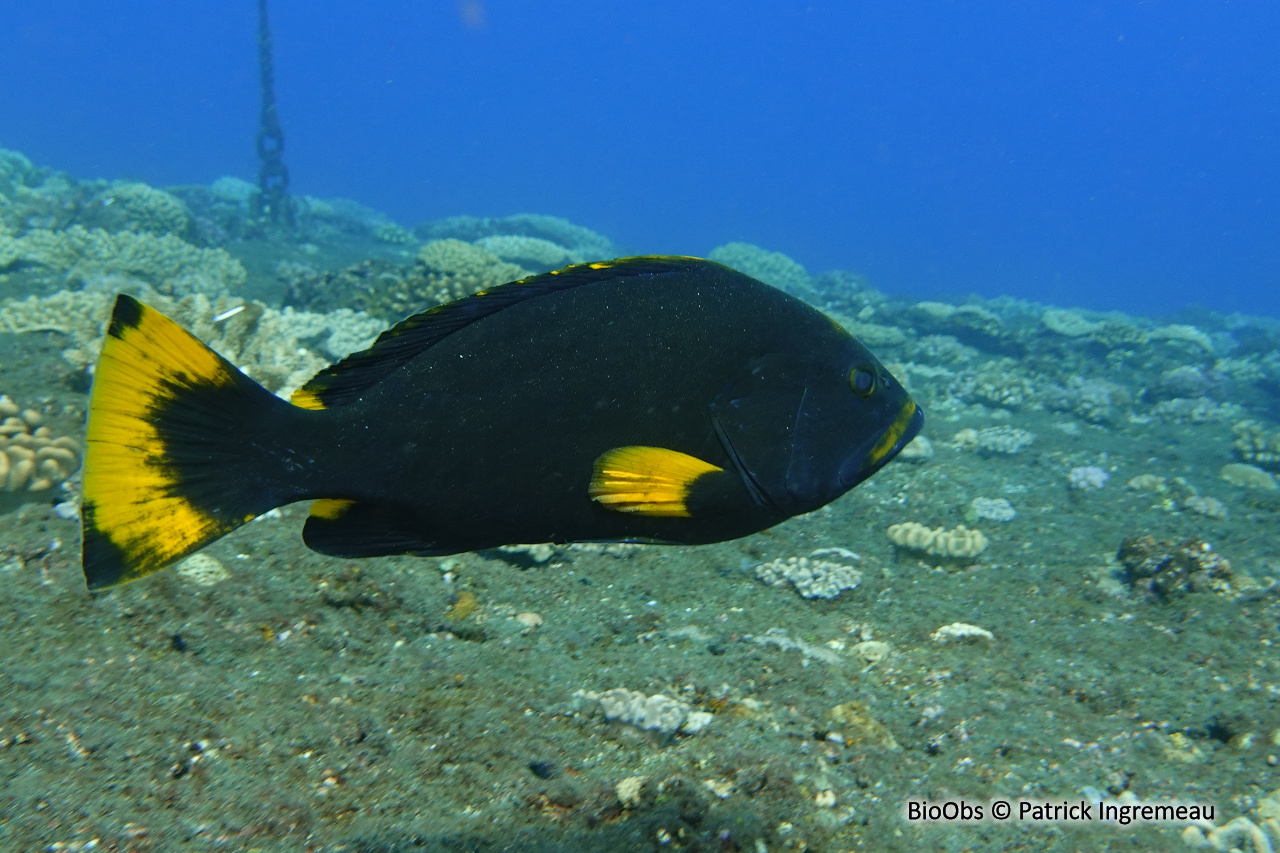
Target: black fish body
648	399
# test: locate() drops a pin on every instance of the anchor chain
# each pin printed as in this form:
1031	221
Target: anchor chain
273	176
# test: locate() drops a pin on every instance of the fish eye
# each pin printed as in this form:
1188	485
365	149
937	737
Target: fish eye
862	381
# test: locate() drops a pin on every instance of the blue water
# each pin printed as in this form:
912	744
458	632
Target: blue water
1104	154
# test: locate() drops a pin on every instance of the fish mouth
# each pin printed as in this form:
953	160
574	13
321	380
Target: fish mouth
906	426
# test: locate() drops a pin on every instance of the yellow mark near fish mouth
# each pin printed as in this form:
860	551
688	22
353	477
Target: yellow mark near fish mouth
891	435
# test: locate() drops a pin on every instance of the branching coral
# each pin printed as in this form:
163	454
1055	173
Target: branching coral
772	268
279	348
530	252
134	206
1253	443
164	261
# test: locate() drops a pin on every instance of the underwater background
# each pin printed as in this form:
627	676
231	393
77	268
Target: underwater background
1056	224
1107	155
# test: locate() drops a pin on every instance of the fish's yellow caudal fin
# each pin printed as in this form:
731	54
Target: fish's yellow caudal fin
179	450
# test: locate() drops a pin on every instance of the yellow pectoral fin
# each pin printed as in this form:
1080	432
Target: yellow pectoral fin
647	480
330	509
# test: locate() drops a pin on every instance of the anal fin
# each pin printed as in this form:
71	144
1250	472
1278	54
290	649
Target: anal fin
348	528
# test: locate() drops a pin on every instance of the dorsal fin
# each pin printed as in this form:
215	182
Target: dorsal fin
345	381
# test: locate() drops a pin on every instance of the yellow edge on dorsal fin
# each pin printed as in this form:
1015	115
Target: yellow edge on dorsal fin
647	480
305	399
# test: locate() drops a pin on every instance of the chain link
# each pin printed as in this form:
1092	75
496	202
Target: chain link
273	176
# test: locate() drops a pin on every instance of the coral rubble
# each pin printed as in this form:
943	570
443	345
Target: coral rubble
1170	569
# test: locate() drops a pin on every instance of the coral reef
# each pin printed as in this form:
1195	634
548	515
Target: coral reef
134	206
1259	834
628	791
582	242
455	269
1107	333
1247	369
1181	495
166	262
1190	339
32	458
969	323
961	632
872	651
961	543
226	211
1147	483
532	253
1183	381
1197	411
444	270
1094	400
322	220
1071	324
1169	569
810	651
919	449
874	335
237	191
1206	506
10	248
15	171
1003	440
32	197
1087	478
371	282
78	314
1139	674
772	268
202	570
990	509
942	349
657	713
1000	382
281	349
844	292
534	554
811	578
456	258
391	232
1249	476
1255	444
859	728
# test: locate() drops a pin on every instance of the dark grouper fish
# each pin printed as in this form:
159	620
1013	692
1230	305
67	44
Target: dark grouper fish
651	399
